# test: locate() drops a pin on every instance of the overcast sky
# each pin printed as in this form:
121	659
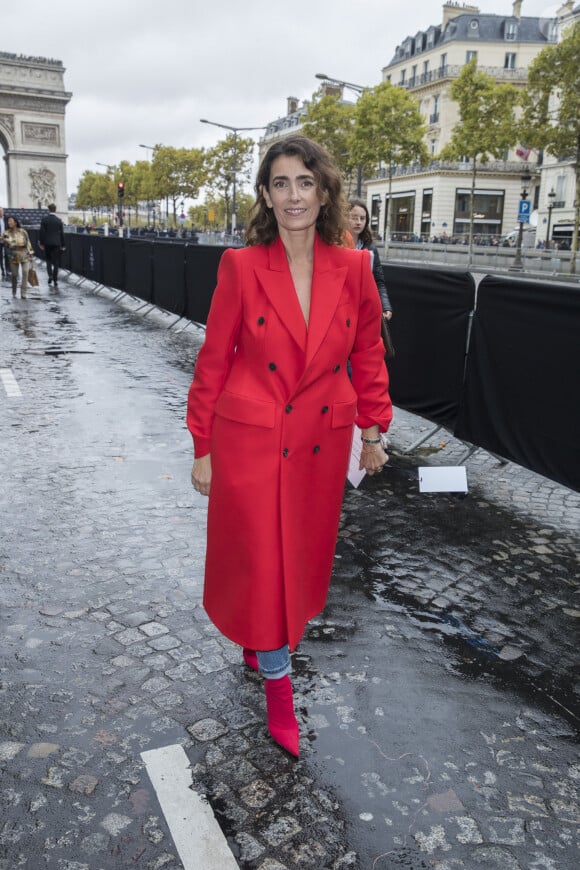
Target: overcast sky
145	72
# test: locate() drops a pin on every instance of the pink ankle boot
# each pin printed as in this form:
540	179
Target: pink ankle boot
282	723
250	658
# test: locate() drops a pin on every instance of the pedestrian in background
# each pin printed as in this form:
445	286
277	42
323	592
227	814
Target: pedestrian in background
18	252
359	226
271	410
2	253
51	241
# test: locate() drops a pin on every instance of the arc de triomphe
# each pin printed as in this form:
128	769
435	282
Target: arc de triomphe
32	109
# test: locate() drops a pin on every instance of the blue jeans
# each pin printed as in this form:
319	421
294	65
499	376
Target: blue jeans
274	663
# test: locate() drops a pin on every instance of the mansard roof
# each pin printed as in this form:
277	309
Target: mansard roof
474	27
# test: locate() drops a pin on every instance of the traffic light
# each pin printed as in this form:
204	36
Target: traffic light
121	189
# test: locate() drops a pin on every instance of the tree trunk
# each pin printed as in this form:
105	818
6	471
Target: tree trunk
471	208
576	212
388	213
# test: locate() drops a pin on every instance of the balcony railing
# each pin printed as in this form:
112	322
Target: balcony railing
434	118
494	166
452	71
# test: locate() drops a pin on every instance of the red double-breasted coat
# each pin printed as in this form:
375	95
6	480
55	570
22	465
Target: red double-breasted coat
272	402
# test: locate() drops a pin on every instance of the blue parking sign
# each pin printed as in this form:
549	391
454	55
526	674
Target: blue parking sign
524	211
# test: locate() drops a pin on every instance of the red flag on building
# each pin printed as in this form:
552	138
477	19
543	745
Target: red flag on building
523	152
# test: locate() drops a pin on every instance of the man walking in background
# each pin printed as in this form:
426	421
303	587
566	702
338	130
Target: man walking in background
51	241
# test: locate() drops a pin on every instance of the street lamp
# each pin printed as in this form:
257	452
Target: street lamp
358	89
149	148
106	165
235	131
551	198
517	265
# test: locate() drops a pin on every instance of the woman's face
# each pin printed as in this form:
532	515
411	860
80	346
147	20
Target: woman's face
11	223
357	218
292	194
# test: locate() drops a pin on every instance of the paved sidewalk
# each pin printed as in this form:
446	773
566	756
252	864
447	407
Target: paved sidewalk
437	694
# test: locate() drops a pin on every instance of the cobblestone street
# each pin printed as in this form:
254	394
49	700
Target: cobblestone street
437	695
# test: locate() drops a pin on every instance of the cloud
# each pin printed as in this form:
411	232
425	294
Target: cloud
145	71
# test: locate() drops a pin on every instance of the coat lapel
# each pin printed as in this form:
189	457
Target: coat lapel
327	283
276	282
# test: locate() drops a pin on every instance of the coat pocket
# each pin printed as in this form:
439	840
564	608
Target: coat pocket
343	414
243	409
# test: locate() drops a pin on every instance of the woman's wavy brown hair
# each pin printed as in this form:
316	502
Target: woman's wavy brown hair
330	224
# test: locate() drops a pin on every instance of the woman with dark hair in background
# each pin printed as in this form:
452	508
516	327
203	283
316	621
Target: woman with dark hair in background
359	226
271	411
19	253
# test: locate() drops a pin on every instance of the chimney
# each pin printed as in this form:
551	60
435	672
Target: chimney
517	9
565	9
453	8
329	90
292	103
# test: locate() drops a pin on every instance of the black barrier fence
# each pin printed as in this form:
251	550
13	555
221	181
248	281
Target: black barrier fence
499	368
521	396
429	330
177	277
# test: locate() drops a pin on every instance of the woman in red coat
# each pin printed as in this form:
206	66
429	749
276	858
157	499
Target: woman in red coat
271	410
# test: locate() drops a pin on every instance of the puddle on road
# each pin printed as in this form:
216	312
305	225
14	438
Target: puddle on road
56	351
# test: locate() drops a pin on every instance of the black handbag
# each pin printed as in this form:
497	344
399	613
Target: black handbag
387	340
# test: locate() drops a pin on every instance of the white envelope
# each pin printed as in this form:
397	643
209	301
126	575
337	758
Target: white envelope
442	478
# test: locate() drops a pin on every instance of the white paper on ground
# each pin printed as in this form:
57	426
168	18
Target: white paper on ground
354	474
442	478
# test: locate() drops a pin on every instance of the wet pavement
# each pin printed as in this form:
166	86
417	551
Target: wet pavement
437	695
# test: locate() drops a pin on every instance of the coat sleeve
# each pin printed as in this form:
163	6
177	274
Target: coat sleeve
370	378
379	277
216	356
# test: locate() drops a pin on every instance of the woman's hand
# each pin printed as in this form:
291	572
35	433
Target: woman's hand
373	458
387	315
201	474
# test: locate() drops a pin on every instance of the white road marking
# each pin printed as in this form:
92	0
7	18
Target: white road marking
10	384
195	831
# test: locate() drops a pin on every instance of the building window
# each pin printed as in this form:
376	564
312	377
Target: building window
510	60
470	55
433	146
402	216
403	76
487	212
376	215
560	200
426	210
434	117
511	31
443	62
425	67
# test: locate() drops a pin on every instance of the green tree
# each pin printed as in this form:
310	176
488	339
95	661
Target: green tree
388	129
486	126
551	109
96	190
177	173
329	121
220	162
